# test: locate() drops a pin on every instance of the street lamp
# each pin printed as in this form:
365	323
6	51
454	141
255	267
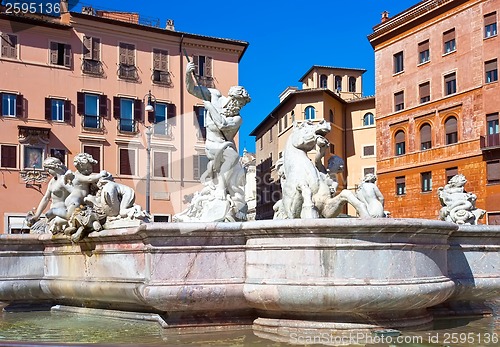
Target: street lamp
151	99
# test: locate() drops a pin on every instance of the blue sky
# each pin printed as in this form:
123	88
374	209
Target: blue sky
286	38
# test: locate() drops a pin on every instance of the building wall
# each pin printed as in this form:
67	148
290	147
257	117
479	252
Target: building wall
35	78
471	103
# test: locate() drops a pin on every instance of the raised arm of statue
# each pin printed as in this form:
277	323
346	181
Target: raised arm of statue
200	92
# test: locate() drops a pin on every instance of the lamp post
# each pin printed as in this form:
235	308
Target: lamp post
149	131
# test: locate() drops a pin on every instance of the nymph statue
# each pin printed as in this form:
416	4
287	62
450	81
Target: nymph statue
458	206
369	194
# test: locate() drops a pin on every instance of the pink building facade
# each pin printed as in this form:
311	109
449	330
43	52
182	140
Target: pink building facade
80	83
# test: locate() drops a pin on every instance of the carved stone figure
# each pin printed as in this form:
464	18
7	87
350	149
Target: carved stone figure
369	194
83	202
458	206
224	171
308	191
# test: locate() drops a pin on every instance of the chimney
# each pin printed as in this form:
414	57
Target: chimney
385	16
170	24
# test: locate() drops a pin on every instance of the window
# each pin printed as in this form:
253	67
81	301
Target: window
425	137
331	116
161	164
323	81
127	69
8	156
33	157
203	69
285	121
271	135
17	225
368	119
92	56
492	131
199	122
490	68
490	25
163	118
160	67
11	105
400	142
332	148
95	152
424	91
400	185
200	163
60	54
368	170
127	162
450	172
493	171
399	101
280	125
128	112
59	154
368	151
93	108
450	84
338	83
159	218
493	218
398	62
8	44
310	112
352	84
449	44
293	116
426	179
261	143
451	130
57	110
423	52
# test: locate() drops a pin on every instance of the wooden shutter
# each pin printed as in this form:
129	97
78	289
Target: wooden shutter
12	46
208	66
196	61
425	133
399	98
449	78
131	55
138	110
48	109
67	55
493	171
5	44
160	163
19	105
425	89
80	103
156	59
103	106
400	136
449	35
67	111
171	114
196	167
423	46
54	52
122	54
96	49
95	152
400	180
450	173
8	156
116	107
164	61
125	162
490	18
451	125
87	47
490	65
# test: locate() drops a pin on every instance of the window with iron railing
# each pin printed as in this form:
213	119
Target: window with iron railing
128	112
91	63
127	69
161	75
493	134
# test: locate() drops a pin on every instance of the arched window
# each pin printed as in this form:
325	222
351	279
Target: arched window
451	130
323	81
338	83
399	138
425	136
310	112
352	84
368	119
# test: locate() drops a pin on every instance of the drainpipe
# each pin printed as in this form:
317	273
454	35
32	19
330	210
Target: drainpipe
182	110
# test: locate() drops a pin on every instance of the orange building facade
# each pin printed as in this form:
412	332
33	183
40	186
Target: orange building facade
80	83
331	94
437	105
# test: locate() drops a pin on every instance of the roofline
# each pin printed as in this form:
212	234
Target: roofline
364	98
38	21
406	19
180	34
330	67
288	97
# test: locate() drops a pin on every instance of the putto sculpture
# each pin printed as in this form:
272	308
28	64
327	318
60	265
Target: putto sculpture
223	197
458	206
82	201
309	190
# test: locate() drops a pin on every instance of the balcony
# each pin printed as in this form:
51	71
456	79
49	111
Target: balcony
490	142
92	67
128	72
161	78
127	126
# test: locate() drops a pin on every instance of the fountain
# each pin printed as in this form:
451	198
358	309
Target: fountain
296	275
